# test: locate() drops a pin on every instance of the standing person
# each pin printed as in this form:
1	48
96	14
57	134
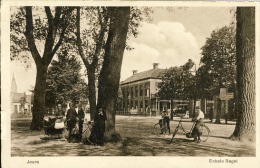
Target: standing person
80	116
165	120
71	118
211	114
199	120
60	112
100	126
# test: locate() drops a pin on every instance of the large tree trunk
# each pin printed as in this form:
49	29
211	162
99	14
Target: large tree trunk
92	92
110	73
39	98
245	46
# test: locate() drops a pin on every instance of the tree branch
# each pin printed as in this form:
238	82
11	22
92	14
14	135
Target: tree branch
49	15
50	36
52	31
29	36
79	42
56	47
62	34
99	42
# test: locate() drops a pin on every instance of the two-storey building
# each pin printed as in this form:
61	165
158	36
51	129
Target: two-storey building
139	90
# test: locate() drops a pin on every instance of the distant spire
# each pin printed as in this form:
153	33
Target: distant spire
13	85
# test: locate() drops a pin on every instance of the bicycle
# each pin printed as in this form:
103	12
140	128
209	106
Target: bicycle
204	131
159	130
87	132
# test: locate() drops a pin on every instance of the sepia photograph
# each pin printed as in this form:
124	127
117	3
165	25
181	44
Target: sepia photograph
129	84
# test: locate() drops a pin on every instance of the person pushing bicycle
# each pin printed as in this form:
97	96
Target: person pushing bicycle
165	120
199	120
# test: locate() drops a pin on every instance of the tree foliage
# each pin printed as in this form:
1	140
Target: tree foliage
64	80
177	82
218	62
42	20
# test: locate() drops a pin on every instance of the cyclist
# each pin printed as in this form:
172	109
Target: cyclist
165	120
199	120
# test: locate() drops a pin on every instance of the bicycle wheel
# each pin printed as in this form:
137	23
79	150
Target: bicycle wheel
204	131
157	129
174	133
87	134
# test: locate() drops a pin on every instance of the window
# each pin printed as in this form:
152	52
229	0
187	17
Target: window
141	90
136	91
132	91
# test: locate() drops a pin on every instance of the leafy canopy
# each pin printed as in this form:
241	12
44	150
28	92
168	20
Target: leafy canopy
218	62
64	79
177	82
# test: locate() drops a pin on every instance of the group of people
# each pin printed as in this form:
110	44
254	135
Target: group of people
199	116
75	115
75	118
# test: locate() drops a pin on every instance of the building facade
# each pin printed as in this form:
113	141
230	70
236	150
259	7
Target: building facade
139	93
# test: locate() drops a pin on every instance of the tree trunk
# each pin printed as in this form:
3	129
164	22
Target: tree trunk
92	92
245	51
191	107
39	98
219	102
194	107
110	73
171	109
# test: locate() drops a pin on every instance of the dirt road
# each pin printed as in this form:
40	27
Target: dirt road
137	140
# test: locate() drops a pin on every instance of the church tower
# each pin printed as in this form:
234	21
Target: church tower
13	85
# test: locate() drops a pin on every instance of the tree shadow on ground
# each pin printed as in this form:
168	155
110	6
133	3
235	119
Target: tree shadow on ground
135	146
137	140
222	137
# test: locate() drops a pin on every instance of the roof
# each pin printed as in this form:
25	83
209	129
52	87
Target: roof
16	97
149	74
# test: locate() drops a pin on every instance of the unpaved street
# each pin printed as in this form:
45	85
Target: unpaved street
137	140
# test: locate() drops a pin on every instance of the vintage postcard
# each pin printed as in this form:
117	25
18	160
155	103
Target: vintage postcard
123	84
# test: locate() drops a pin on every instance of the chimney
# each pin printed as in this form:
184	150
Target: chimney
155	65
134	72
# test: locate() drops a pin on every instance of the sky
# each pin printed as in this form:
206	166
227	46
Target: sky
173	37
